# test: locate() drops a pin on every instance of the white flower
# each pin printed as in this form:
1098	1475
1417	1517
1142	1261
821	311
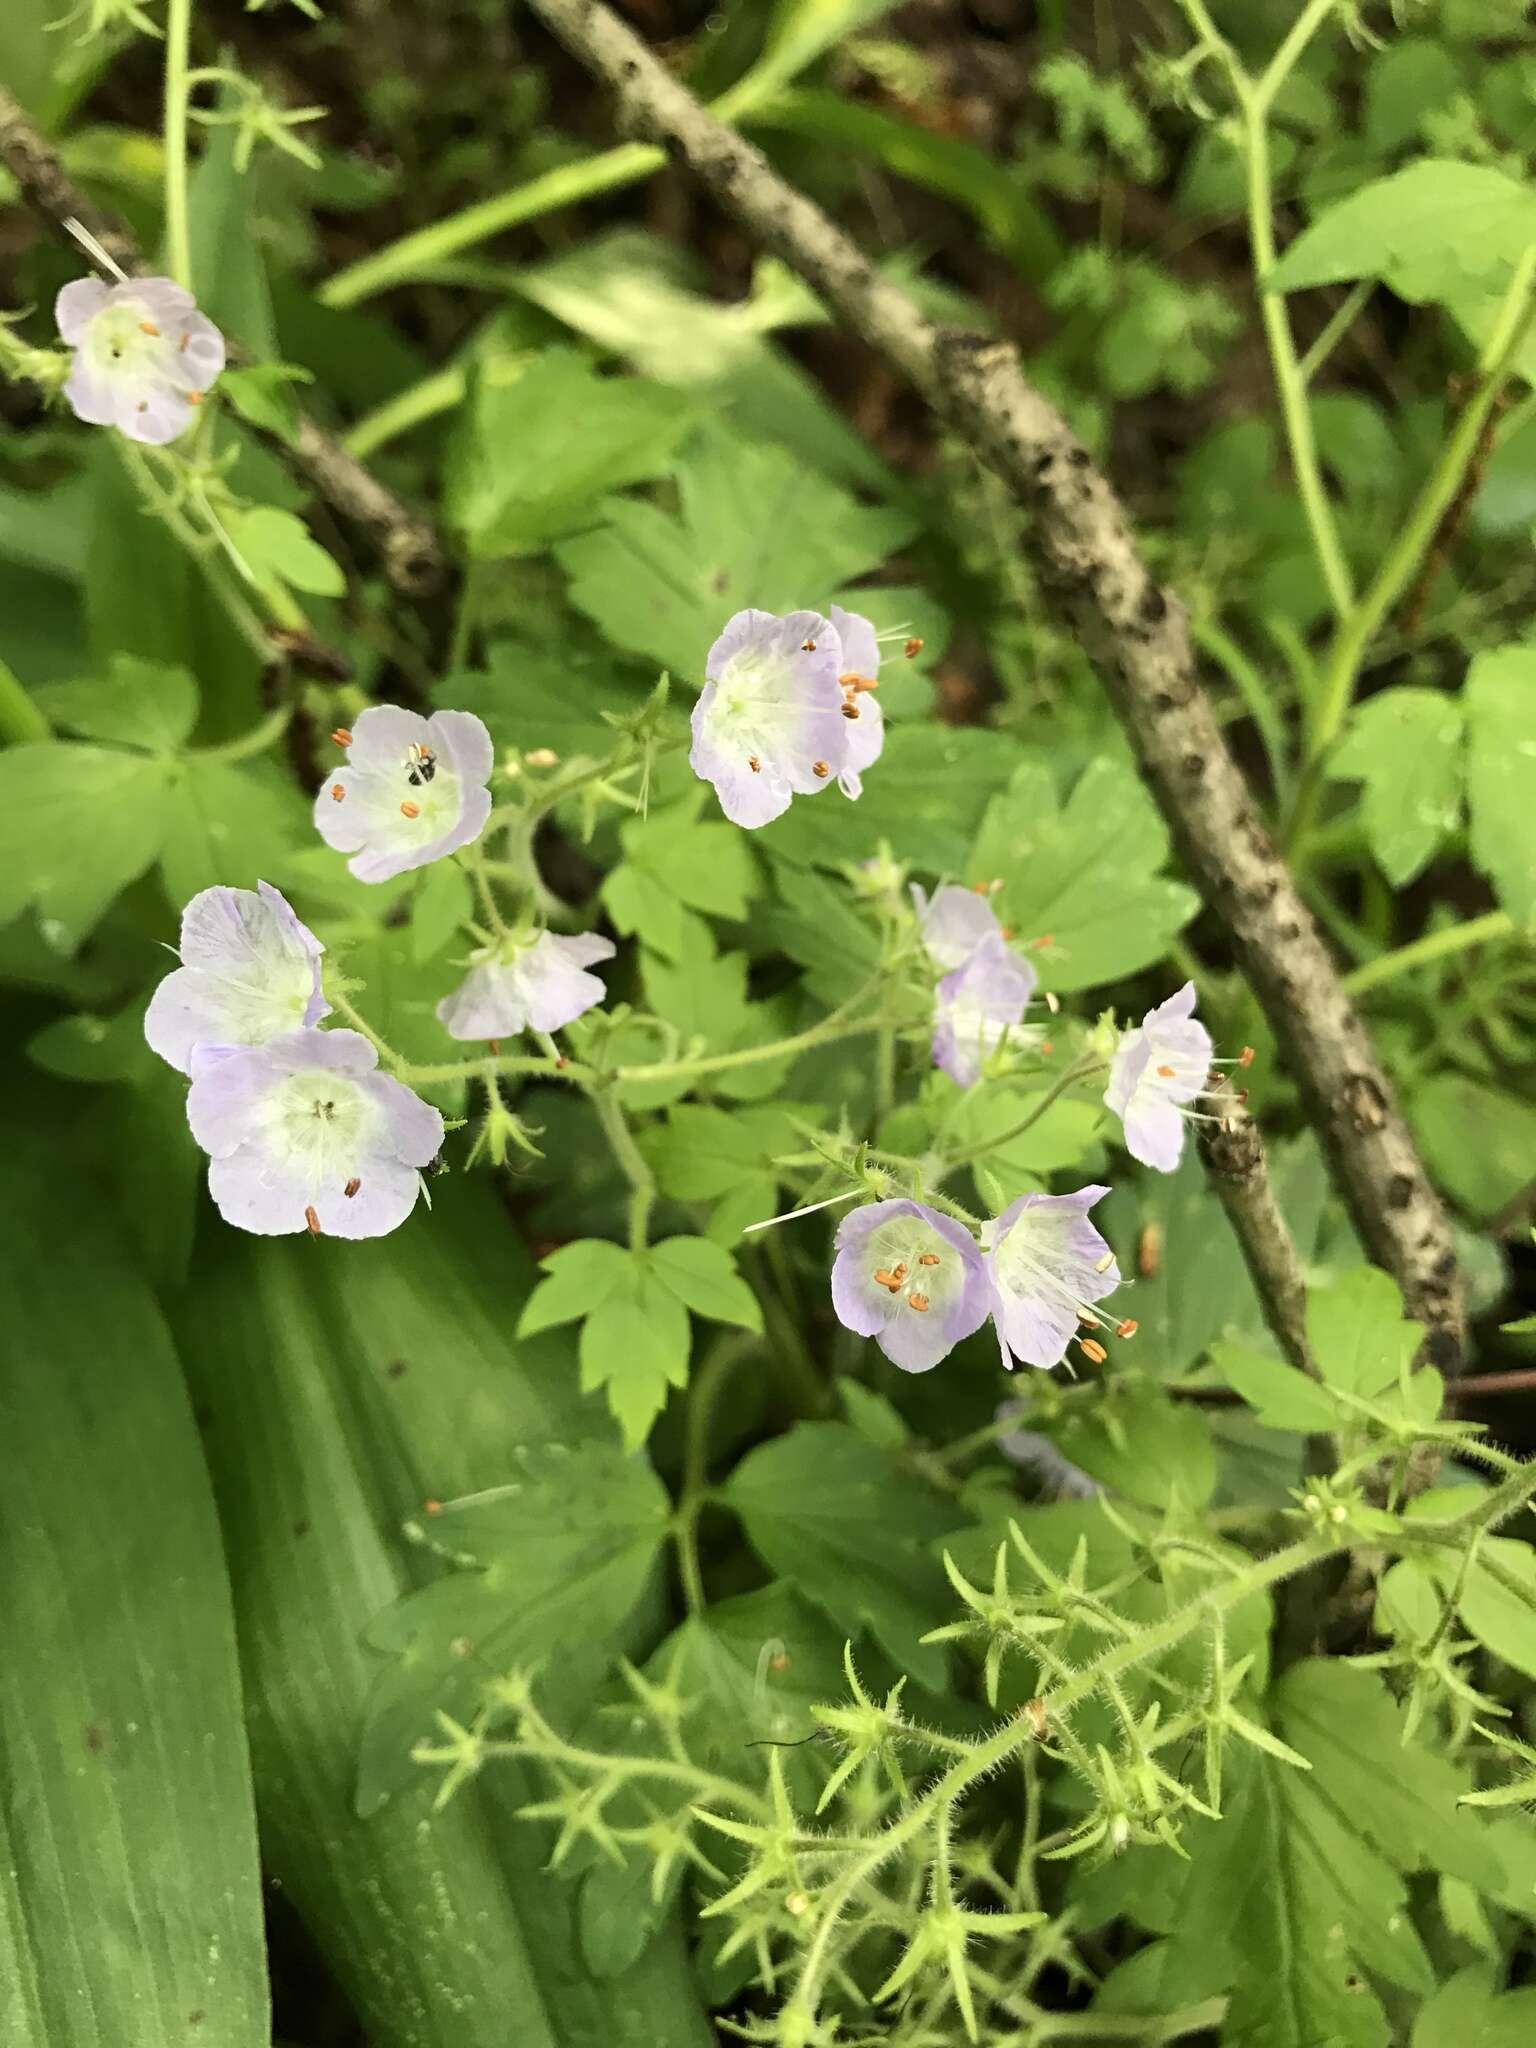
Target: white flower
249	971
1158	1067
413	790
144	355
769	723
304	1134
527	985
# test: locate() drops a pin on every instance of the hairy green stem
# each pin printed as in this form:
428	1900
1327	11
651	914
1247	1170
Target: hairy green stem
1077	1071
631	1161
264	734
1456	938
178	240
1258	700
1015	1734
566	185
1339	322
694	1491
1359	627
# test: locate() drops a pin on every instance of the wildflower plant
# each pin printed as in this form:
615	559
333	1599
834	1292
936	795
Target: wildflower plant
876	1487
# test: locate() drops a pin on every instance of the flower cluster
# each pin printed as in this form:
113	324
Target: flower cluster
302	1130
986	988
917	1281
143	355
788	706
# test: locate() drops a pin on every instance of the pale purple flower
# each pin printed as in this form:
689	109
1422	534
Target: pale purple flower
143	355
304	1134
909	1277
1158	1067
769	723
413	790
979	1005
953	922
1047	1265
1058	1477
250	970
526	985
861	712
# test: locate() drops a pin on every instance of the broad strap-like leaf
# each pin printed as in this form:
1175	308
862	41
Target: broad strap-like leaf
130	1892
343	1385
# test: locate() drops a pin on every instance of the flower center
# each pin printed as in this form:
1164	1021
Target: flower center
124	340
913	1265
320	1120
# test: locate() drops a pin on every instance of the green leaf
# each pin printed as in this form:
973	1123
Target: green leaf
671	867
228	824
1412	77
707	1154
577	1530
1002	204
77	825
1497	1601
1083	875
1399	1794
1478	1141
227	260
704	996
136	704
1282	1397
1357	1333
752	1668
754	527
1405	746
442	906
635	293
1434	230
709	867
703	1276
543	438
340	1389
581	1277
263	394
828	1511
1470	2012
1281	1902
1501	775
278	544
532	695
1172	1226
814	922
635	1346
918	799
1142	1445
130	1888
